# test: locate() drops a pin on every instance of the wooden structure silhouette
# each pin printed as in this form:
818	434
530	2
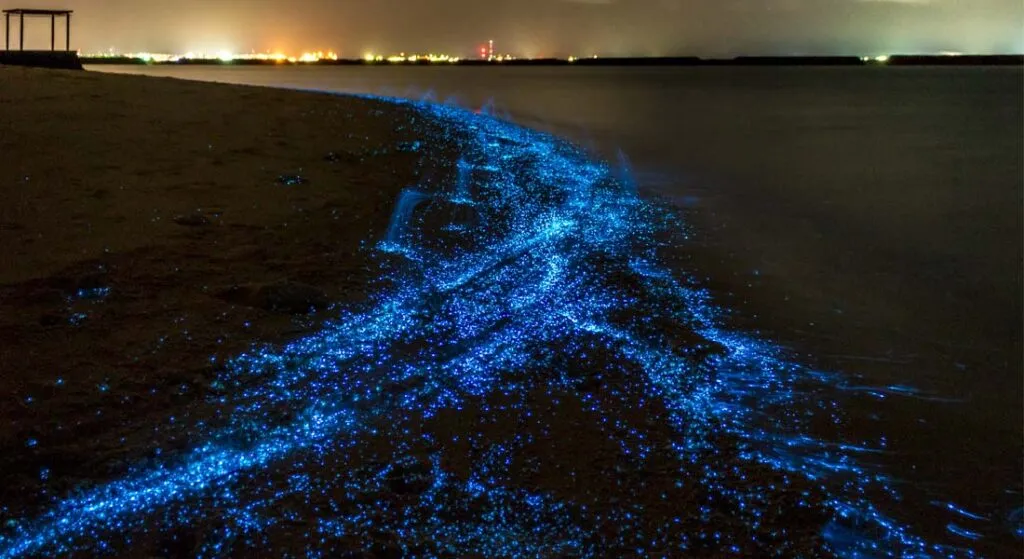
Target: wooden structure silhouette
52	14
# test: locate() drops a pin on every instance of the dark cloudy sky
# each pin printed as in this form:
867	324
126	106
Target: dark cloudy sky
544	27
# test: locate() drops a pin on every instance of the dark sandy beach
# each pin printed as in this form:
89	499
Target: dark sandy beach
150	224
153	229
219	338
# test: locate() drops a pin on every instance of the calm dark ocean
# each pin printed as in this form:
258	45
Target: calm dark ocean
868	219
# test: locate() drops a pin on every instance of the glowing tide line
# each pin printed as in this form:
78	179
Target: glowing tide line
473	336
93	511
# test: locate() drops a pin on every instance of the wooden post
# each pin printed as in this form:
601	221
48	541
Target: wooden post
53	32
67	20
21	35
7	32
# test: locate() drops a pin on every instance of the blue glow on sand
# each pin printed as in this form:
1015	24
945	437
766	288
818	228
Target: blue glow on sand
532	279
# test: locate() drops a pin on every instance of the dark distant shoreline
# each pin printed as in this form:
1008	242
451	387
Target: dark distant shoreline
895	60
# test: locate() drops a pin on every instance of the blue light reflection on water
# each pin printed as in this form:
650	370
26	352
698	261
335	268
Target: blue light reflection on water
533	246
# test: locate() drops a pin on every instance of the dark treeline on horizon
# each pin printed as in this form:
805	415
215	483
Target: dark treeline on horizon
895	60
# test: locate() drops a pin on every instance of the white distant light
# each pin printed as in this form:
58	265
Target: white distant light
225	56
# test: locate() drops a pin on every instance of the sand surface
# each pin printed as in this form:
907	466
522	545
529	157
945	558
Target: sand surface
146	226
152	228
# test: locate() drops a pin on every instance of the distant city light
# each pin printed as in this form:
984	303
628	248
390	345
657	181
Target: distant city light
487	53
310	57
223	56
880	59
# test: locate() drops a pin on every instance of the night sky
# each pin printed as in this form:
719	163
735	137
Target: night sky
543	27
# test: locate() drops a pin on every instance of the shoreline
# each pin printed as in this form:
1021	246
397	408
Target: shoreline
480	324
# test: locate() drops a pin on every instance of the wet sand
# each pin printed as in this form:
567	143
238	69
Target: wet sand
152	229
148	225
156	228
